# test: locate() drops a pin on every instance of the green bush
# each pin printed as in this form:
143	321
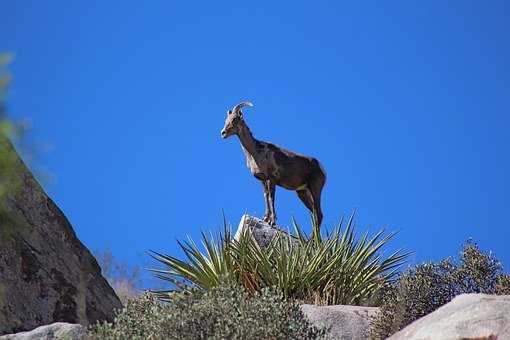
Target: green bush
339	268
10	131
224	312
7	160
426	287
9	163
503	286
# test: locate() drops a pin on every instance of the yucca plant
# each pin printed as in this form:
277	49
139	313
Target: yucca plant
335	268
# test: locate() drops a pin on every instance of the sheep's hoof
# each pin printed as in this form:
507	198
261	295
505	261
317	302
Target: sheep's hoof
269	220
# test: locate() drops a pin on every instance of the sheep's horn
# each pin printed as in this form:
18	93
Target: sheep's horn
241	105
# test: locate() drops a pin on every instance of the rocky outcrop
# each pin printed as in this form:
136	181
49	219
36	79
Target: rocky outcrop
55	331
468	316
46	273
341	322
261	232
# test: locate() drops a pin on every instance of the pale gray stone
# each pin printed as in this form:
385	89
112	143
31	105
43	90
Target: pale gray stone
46	274
261	231
467	316
341	321
55	331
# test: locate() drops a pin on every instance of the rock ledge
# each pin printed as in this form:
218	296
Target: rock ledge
55	331
467	316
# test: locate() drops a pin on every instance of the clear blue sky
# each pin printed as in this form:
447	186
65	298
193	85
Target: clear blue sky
406	103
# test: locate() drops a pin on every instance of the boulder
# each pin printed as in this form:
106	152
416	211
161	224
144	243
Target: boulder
341	322
46	274
467	316
261	231
55	331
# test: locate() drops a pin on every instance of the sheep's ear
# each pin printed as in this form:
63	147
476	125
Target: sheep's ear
240	113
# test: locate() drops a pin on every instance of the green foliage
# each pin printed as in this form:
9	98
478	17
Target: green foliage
426	287
7	127
503	286
8	161
224	312
336	269
9	164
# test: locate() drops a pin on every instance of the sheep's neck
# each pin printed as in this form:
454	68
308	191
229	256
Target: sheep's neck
248	142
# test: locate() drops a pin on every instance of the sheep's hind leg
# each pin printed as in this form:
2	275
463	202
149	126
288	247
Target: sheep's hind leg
316	184
306	197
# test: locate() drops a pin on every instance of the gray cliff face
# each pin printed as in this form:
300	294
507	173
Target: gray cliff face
46	273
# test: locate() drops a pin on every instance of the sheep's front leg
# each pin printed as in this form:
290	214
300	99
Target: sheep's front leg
267	214
272	212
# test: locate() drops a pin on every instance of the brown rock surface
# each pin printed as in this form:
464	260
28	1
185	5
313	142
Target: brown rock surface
46	274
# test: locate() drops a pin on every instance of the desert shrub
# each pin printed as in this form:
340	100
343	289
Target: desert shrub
124	279
337	268
11	132
224	312
503	286
8	161
10	166
426	287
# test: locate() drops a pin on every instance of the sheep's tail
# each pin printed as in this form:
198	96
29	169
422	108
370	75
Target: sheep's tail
321	168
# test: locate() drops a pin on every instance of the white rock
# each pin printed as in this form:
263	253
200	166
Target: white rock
341	322
262	232
55	331
467	316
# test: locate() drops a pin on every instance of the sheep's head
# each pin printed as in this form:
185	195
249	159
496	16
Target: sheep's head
234	118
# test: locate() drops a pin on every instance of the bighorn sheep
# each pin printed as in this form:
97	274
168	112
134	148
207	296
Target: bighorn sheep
273	165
